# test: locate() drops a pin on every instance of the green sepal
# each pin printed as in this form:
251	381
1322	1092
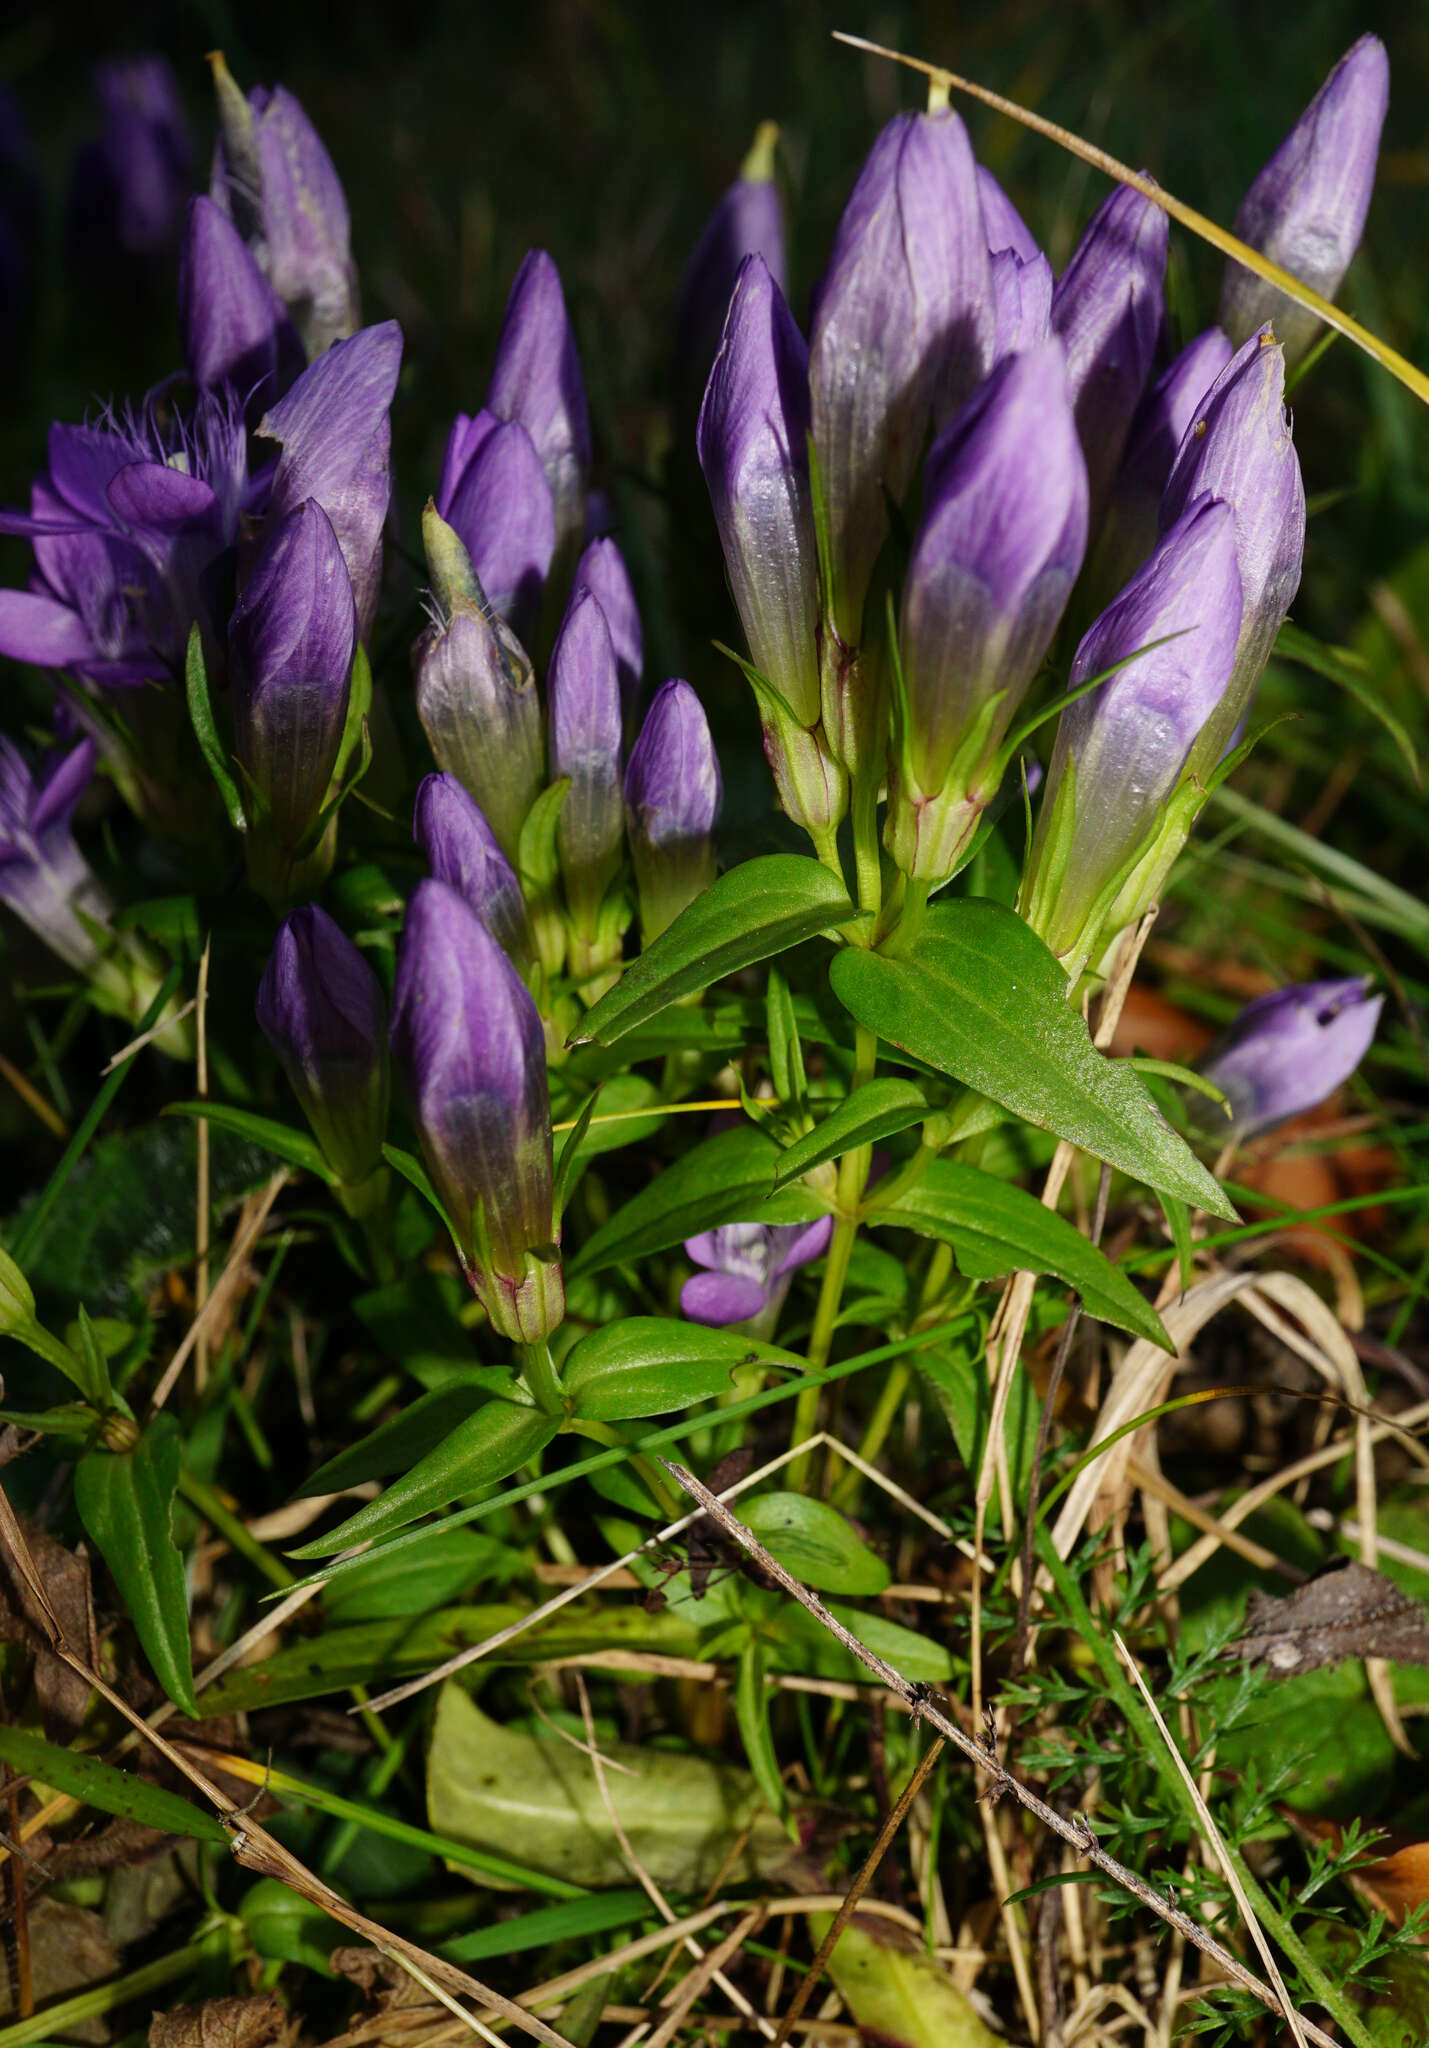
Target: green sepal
206	731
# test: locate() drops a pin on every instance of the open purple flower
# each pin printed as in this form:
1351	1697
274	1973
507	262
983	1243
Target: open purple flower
320	1007
748	1268
1288	1050
44	878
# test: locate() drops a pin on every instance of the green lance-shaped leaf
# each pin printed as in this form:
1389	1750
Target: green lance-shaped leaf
125	1501
206	732
996	1228
981	998
285	1141
877	1109
758	909
491	1444
724	1179
109	1790
651	1365
425	1423
816	1543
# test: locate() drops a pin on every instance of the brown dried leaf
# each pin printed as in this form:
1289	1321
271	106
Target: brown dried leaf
225	2023
69	1951
1346	1611
381	1979
64	1576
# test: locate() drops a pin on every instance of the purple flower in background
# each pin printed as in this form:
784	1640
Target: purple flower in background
336	439
748	221
320	1007
132	185
234	326
1003	225
536	379
602	571
748	1268
583	693
1287	1051
131	527
463	851
1238	447
272	174
672	800
469	1043
44	878
993	563
1021	301
476	694
902	333
1107	308
290	643
1121	750
496	498
1306	210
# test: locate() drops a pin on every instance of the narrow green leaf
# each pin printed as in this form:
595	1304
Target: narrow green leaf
875	1110
206	731
751	1711
125	1502
565	1165
995	1227
724	1179
491	1444
593	1913
536	858
398	1444
108	1790
1383	902
1340	666
816	1543
760	908
284	1141
981	998
649	1365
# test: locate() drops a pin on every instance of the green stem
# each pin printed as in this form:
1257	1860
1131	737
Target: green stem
539	1371
846	1493
661	1488
368	1203
207	1503
899	935
867	854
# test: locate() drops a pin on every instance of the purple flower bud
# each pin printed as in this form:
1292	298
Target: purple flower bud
320	1007
290	648
748	1267
44	878
1003	224
1103	842
672	800
536	379
993	563
500	505
583	693
476	694
602	571
1306	211
749	221
273	175
1238	447
462	851
1162	419
234	326
337	444
1022	303
902	333
469	1043
1107	308
1287	1051
131	186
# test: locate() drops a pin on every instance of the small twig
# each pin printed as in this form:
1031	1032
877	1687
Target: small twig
857	1889
127	1052
201	1175
228	1281
1080	1838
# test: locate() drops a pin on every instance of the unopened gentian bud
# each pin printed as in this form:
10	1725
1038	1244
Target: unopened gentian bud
320	1007
44	878
902	334
1003	225
235	329
753	447
1306	210
672	800
601	570
469	1043
1022	303
131	185
583	690
273	175
748	221
476	693
290	646
1162	419
336	438
993	563
463	851
500	505
1105	836
1287	1051
536	379
1238	447
1107	308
